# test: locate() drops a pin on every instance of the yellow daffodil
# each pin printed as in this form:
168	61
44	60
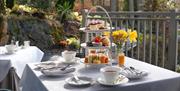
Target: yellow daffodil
132	36
121	36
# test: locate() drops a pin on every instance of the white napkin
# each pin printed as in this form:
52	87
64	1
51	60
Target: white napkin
55	72
48	65
134	73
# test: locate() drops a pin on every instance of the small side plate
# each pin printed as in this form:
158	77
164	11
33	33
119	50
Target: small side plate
83	81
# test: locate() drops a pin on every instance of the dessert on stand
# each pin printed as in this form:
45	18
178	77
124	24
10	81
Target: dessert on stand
97	45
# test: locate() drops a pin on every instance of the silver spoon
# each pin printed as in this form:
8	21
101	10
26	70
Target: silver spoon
76	79
80	81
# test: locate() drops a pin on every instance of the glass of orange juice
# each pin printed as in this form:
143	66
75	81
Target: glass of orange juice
121	59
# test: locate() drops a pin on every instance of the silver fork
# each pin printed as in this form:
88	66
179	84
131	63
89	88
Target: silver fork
137	72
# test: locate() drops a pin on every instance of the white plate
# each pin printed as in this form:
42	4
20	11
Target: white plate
134	74
84	81
121	80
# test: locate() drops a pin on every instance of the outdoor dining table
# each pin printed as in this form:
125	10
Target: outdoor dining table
158	79
21	57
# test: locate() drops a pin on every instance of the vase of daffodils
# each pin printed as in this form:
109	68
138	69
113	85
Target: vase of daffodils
119	38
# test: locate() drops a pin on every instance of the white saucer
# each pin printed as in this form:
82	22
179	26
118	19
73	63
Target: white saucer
71	62
83	81
121	80
9	53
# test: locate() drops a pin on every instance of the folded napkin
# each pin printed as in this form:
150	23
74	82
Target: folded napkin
48	65
57	72
133	73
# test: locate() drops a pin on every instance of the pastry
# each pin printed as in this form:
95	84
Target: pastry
105	41
93	26
96	59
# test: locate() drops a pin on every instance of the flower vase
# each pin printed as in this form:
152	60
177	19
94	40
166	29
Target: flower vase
120	57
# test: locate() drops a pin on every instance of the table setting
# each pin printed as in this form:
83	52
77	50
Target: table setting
78	77
69	66
111	75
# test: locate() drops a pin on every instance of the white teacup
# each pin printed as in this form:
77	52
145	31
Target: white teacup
110	74
69	55
26	44
10	48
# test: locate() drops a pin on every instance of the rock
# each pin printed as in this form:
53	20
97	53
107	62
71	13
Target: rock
3	31
38	31
71	28
40	15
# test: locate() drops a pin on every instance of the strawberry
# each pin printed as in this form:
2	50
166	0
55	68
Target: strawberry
97	39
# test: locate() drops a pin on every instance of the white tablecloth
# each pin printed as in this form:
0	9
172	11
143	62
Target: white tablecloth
5	66
22	57
159	79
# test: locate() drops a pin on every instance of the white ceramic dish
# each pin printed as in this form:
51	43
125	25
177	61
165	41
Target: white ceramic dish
120	80
83	81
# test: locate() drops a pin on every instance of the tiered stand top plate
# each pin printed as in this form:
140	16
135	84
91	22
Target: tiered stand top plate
85	29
